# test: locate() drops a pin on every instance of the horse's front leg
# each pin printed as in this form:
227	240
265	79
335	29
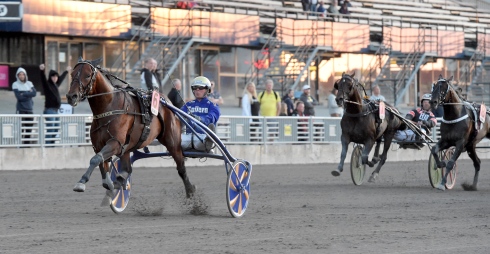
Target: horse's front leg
386	146
376	158
441	145
107	151
450	163
345	146
476	163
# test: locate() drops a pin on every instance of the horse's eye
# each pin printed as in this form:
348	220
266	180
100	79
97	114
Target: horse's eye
87	77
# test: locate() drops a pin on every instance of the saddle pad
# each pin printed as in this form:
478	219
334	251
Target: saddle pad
483	113
155	99
382	112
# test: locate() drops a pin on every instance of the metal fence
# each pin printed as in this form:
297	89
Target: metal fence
74	130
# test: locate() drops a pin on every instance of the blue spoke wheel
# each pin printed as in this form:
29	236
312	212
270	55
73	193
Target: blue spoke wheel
238	188
120	197
435	173
357	170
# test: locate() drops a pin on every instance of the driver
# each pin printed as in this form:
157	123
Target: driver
202	109
422	117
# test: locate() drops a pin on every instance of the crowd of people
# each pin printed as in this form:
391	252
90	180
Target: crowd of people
319	7
205	106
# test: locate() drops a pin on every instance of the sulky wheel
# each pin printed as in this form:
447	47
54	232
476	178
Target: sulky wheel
435	173
451	178
357	170
238	187
121	195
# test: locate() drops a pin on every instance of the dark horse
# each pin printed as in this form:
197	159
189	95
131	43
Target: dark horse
460	127
360	124
118	124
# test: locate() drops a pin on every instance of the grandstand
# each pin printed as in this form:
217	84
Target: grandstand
400	45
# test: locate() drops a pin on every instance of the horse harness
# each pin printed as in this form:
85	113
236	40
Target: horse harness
144	100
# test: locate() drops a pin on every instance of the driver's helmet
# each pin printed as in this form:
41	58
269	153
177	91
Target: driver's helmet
426	96
201	82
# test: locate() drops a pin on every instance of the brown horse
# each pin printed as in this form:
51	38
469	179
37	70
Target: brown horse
360	124
460	127
118	125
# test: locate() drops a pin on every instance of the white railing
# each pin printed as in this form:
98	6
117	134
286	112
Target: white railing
74	130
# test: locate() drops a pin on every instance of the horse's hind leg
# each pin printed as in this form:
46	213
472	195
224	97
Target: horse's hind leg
107	151
125	169
376	158
384	156
368	146
106	175
174	148
476	163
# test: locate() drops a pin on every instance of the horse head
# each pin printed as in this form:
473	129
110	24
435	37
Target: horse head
440	91
83	80
345	86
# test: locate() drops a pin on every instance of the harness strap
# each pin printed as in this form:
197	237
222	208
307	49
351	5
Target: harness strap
110	113
455	120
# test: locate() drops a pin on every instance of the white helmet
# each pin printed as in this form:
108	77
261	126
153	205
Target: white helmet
201	82
426	96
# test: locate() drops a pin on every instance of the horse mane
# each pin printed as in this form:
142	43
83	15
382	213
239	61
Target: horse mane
115	81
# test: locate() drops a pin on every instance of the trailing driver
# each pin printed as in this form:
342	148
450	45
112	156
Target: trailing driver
202	110
422	117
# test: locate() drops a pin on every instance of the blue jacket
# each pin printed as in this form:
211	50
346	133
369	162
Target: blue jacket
205	109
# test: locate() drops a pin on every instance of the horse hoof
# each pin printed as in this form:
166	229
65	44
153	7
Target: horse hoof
372	178
441	187
336	172
79	187
189	192
106	201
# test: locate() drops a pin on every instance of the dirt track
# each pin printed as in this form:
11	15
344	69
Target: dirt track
293	209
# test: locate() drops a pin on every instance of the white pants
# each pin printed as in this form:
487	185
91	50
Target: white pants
407	135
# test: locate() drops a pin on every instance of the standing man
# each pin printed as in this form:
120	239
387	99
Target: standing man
334	109
376	96
214	95
270	101
24	92
308	101
174	95
52	101
149	75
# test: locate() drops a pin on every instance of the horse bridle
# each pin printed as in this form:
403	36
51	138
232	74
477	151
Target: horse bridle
442	94
355	84
442	97
83	92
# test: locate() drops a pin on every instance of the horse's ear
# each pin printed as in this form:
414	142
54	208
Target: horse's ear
450	79
80	59
440	76
352	75
336	85
343	74
97	62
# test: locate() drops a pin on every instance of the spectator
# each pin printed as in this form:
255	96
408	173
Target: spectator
344	8
288	99
333	8
214	96
302	122
334	109
376	96
313	5
423	117
149	77
250	102
24	92
174	95
305	4
308	101
321	9
284	109
202	109
52	101
270	102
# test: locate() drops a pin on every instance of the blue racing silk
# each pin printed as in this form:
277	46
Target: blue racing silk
207	111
